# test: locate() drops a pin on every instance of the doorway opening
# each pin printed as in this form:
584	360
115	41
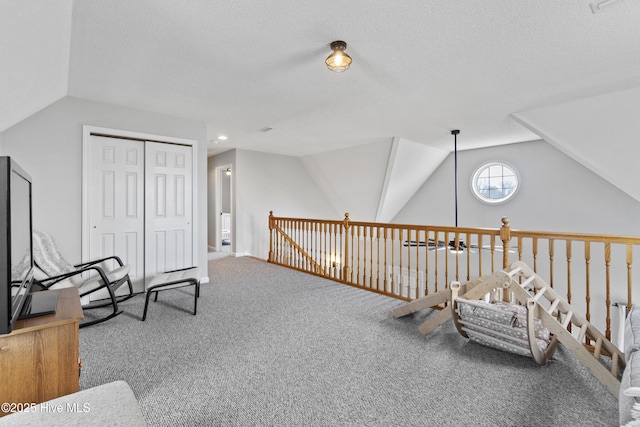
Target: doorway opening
224	228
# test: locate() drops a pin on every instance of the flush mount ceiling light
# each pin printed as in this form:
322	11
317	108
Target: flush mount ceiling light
338	61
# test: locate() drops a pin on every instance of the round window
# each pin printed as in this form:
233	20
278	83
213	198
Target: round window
495	182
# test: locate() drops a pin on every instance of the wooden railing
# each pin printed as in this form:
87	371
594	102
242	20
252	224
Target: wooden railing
593	272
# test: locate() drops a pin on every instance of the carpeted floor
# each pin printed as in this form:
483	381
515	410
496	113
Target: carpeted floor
275	347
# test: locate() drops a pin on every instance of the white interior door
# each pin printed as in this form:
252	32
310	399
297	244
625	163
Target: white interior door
116	203
169	207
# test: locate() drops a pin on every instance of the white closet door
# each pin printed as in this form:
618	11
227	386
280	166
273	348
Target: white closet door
168	206
116	203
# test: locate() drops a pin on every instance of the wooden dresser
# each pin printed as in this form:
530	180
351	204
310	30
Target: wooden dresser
39	358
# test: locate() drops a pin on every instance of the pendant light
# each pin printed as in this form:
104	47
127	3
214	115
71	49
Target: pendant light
338	61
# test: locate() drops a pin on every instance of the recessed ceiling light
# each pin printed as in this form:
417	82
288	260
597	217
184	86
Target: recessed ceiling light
222	137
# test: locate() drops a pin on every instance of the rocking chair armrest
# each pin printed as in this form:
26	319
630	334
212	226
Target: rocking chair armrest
50	281
97	261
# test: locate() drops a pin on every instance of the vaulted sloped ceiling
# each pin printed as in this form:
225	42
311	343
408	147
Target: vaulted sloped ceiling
601	132
500	71
410	165
351	178
373	182
35	40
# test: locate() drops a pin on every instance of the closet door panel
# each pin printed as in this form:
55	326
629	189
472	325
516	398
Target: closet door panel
116	204
169	204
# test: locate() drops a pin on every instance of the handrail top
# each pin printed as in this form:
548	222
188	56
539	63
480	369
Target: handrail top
479	230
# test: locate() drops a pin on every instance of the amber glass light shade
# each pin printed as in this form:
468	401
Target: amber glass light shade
338	61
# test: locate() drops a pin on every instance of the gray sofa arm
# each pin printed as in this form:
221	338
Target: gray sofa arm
112	404
629	398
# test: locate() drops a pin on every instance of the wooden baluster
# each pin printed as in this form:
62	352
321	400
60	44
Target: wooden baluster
300	241
408	285
493	254
289	233
358	259
372	231
316	257
309	257
338	251
400	281
551	255
312	259
305	245
377	258
409	247
332	253
327	229
469	256
534	249
607	262
294	236
418	294
393	261
437	240
282	255
386	270
328	245
365	237
520	248
587	262
446	260
629	275
568	251
308	246
320	247
426	261
480	251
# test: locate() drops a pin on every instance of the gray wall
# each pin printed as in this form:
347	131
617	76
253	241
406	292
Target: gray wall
556	194
262	183
49	146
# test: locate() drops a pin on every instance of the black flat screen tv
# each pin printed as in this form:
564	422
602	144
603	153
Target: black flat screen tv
16	244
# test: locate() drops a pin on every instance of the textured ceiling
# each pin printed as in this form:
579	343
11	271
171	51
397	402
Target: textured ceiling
420	68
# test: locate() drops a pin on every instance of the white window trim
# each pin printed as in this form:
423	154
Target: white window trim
482	167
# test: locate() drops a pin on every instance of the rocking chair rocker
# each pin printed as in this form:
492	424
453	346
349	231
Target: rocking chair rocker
54	271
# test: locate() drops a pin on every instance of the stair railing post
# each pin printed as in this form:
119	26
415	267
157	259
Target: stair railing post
346	271
270	236
505	236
